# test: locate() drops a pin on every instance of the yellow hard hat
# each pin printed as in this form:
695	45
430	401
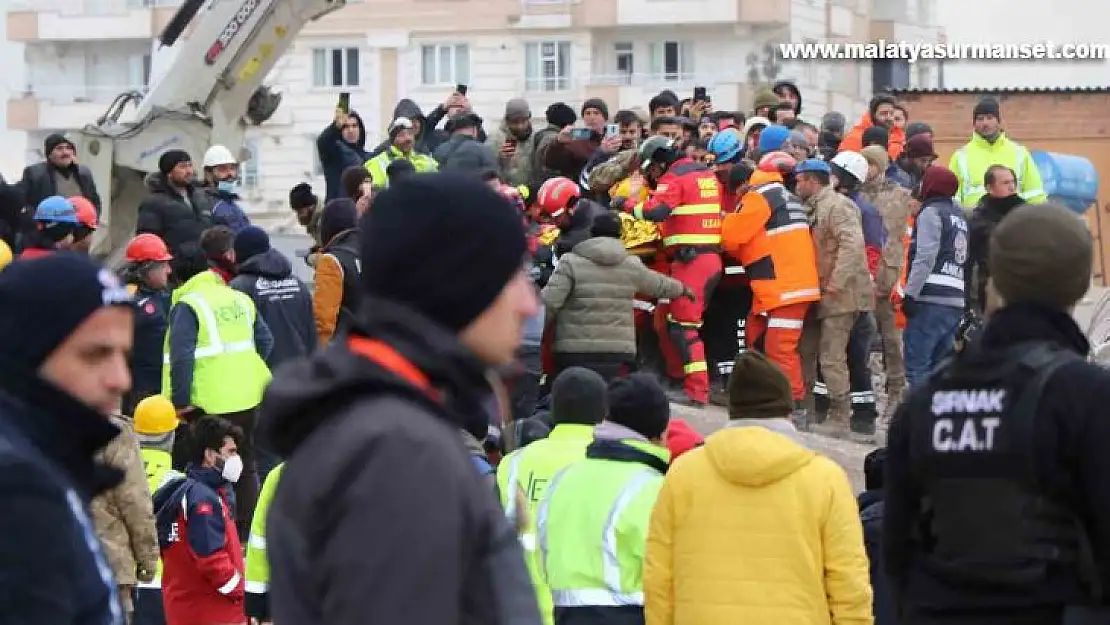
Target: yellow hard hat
6	255
154	416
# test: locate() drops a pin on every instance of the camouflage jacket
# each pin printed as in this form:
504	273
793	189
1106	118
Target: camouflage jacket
612	171
841	257
893	202
123	516
518	170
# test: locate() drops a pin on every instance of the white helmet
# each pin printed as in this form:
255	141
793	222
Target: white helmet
219	155
853	163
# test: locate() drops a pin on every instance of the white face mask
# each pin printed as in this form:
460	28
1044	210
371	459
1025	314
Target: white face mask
233	468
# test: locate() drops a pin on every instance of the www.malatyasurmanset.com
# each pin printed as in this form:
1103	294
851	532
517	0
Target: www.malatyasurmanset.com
913	52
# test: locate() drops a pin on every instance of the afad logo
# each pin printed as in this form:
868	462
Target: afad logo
230	31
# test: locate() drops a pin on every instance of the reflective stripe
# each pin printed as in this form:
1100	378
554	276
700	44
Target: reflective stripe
514	473
697	366
156	584
528	542
696	209
692	239
231	584
733	270
1031	194
216	346
940	279
788	228
257	542
725	368
965	177
663	300
789	295
862	397
785	324
588	597
642	305
638	211
257	588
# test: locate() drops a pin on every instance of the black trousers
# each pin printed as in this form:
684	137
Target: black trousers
722	330
524	384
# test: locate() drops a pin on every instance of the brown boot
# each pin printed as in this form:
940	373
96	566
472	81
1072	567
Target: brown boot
835	424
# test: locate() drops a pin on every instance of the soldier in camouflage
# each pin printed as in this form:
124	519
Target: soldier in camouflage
515	144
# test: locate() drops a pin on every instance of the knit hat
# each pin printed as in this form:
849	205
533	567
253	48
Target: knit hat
765	97
301	196
171	159
920	145
681	438
876	135
414	249
578	396
596	103
876	155
517	109
42	301
560	115
772	138
339	214
758	389
639	403
938	182
55	210
251	241
986	106
917	128
1041	254
54	140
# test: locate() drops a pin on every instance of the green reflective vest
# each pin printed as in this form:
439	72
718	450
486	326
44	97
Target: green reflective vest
377	165
159	472
592	530
971	162
228	374
258	566
532	469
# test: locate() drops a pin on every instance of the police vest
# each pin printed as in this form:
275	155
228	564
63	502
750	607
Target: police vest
159	472
945	283
987	520
228	374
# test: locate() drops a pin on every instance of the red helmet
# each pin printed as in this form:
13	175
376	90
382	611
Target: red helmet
777	163
556	195
147	248
86	212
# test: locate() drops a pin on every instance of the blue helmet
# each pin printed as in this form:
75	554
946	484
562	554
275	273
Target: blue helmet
812	164
56	209
773	138
725	145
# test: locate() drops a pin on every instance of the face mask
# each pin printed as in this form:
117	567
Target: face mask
233	468
228	186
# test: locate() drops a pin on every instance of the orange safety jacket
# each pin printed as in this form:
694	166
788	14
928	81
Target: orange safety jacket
770	235
733	269
898	293
686	203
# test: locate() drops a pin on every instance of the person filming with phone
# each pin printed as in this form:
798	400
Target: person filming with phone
576	150
341	145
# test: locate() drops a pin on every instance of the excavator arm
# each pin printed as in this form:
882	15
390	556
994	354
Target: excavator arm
206	95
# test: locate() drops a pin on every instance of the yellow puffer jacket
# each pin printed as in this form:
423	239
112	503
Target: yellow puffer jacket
754	528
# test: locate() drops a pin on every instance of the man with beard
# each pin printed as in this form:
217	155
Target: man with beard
514	144
915	159
59	174
988	146
831	133
880	112
1001	198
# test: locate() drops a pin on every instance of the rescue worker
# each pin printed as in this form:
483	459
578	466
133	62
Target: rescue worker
336	294
686	202
1012	428
202	558
87	223
402	143
770	235
578	403
214	363
753	128
155	424
846	289
561	203
989	145
934	294
593	519
880	112
55	224
147	274
222	183
65	327
257	563
756	512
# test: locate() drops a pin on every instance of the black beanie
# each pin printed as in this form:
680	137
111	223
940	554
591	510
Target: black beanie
1041	254
578	396
339	214
251	241
758	389
54	140
51	296
639	403
876	135
596	103
560	115
986	106
301	196
171	159
445	244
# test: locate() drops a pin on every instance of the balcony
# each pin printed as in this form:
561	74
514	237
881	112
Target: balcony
629	90
764	12
680	12
84	20
61	107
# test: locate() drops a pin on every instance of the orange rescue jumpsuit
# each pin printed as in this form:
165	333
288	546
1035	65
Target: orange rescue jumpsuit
898	293
770	235
686	204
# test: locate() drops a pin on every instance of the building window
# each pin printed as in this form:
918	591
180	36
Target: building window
250	172
625	67
547	66
672	60
923	81
335	67
445	64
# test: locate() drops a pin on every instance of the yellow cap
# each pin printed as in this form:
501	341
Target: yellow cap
154	416
5	254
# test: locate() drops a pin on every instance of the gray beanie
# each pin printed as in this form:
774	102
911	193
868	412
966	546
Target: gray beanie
517	109
578	396
1041	254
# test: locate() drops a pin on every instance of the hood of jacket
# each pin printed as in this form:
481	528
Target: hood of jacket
757	452
269	264
998	207
156	182
306	394
361	143
1018	323
410	109
605	251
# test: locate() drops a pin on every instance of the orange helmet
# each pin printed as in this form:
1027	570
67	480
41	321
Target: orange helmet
777	163
86	212
556	195
147	248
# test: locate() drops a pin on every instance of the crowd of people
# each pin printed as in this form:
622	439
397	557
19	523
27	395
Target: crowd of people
470	416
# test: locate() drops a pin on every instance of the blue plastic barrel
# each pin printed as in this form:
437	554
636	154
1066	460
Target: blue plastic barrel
1068	179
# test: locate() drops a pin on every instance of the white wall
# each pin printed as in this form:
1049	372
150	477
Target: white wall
90	71
1025	21
13	82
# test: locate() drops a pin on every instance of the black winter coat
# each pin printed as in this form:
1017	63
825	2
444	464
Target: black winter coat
380	515
283	301
38	183
336	155
871	515
987	214
179	223
463	153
